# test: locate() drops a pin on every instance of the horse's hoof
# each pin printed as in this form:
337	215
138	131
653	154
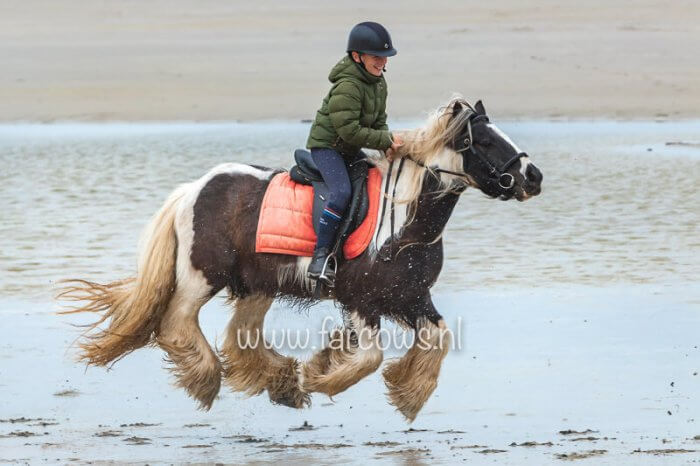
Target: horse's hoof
292	399
284	388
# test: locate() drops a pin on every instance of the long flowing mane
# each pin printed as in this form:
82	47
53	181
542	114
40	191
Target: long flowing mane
427	145
425	149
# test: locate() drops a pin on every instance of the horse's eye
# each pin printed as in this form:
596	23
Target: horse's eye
484	141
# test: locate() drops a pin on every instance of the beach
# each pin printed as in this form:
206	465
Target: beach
599	376
574	314
208	60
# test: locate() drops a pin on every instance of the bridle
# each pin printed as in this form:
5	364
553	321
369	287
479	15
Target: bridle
505	180
495	172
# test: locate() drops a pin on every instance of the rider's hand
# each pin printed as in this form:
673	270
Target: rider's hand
392	152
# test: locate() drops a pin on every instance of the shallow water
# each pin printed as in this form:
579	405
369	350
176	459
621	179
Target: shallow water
574	310
618	204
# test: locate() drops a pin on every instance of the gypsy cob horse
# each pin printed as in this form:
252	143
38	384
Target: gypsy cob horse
202	241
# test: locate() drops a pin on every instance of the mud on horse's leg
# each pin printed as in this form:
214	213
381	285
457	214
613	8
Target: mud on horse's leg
250	365
352	353
413	378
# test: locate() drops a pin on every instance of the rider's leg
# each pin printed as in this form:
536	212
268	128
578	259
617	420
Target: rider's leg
335	173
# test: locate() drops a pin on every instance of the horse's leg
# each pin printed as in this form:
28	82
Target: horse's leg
250	366
352	353
413	378
195	365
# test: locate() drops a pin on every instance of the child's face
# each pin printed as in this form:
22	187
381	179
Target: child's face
374	64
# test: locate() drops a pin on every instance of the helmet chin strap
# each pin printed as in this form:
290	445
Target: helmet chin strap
364	66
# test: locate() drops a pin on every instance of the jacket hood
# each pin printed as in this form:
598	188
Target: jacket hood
347	68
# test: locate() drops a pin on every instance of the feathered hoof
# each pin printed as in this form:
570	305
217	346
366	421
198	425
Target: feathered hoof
292	399
205	398
407	394
285	388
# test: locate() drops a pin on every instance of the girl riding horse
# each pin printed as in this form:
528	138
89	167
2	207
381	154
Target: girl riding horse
352	116
202	241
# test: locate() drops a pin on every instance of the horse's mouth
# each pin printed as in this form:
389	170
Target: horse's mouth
522	194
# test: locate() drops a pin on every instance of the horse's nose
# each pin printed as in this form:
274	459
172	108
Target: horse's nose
533	174
533	182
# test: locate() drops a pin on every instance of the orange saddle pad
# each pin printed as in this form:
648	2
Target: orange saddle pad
285	223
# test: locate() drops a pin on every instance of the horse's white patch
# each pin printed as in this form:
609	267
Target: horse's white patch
504	136
524	162
447	159
296	274
236	168
524	159
406	188
187	276
369	346
383	230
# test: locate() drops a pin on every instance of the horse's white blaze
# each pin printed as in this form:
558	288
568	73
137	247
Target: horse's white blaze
524	162
524	159
504	136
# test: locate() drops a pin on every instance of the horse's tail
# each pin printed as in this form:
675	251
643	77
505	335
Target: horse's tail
134	306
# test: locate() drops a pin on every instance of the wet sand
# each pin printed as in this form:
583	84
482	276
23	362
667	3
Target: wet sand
577	311
209	60
543	376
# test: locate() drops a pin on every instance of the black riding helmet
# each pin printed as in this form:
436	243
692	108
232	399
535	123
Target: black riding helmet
372	38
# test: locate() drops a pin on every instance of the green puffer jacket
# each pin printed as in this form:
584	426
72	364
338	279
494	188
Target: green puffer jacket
353	114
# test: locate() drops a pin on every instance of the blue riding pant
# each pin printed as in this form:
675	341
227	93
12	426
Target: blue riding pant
335	173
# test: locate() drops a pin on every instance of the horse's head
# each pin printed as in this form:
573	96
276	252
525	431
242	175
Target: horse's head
491	161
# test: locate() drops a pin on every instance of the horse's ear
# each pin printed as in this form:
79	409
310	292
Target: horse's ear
456	108
479	107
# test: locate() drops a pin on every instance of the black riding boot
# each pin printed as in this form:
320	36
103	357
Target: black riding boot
323	263
322	266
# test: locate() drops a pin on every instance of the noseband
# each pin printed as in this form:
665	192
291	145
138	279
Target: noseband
505	180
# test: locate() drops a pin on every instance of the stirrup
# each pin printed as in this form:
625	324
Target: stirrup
330	267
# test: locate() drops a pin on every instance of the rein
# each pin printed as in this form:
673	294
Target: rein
391	207
439	170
